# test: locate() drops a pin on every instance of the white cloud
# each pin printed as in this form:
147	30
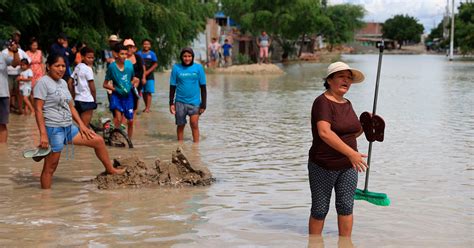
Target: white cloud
428	12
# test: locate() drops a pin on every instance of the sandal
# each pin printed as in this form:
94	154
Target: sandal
367	126
37	154
379	127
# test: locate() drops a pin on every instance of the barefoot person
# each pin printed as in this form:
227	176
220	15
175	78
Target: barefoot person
5	60
151	62
138	69
188	82
264	42
121	73
54	114
24	81
333	158
82	87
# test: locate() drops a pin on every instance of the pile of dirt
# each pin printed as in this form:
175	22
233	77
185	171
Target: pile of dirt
310	57
257	69
178	172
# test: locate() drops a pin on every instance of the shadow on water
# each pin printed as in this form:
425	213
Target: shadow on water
26	179
162	136
282	221
257	134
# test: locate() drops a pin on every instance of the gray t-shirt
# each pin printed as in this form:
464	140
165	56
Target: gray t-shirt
5	60
264	40
56	97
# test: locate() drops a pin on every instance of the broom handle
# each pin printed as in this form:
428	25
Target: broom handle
381	47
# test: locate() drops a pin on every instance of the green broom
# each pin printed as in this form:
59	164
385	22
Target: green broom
379	199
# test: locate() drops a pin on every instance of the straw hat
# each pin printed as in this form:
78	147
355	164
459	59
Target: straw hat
357	75
114	38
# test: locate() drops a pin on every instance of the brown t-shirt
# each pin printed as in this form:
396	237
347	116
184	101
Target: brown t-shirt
344	123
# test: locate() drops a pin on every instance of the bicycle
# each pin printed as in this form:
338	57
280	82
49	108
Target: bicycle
116	137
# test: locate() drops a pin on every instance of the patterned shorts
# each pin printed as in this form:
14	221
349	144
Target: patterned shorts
322	181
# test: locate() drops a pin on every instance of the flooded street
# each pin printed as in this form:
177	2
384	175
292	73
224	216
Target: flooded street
256	134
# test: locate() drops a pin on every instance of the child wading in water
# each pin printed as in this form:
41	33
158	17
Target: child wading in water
82	87
188	82
25	77
122	75
151	62
227	49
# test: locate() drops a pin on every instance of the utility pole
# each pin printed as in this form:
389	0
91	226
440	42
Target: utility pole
446	22
451	43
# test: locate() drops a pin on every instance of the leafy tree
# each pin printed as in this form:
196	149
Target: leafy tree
345	19
171	25
288	21
436	40
277	17
436	32
402	28
464	30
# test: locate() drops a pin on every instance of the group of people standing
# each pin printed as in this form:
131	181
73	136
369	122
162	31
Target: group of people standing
19	72
62	96
23	76
220	54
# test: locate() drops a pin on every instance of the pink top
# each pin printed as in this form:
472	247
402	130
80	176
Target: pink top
36	65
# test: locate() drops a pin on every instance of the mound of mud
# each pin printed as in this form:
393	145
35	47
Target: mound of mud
178	172
256	69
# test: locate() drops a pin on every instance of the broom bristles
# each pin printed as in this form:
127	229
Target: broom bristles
379	199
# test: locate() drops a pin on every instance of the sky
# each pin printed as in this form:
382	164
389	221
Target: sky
428	12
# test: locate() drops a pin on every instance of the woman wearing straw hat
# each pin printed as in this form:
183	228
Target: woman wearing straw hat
333	158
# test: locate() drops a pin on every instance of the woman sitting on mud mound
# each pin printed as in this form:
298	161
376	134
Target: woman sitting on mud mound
54	114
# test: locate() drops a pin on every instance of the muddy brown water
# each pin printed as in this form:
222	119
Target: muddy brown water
255	139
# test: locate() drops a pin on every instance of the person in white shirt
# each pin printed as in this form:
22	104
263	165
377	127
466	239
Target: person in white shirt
24	80
5	60
82	87
214	50
16	101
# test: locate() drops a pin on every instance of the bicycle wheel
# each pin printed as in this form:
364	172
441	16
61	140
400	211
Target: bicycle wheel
119	138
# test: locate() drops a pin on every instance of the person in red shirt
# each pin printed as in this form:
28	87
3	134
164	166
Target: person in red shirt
333	158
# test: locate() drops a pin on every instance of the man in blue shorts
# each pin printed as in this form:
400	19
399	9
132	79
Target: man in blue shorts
151	62
122	75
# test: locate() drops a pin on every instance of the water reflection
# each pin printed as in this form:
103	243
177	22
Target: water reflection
255	138
318	242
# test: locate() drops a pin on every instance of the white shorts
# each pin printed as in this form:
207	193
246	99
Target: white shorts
25	89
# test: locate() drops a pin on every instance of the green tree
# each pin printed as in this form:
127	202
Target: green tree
171	25
345	19
277	18
288	21
464	30
402	28
437	32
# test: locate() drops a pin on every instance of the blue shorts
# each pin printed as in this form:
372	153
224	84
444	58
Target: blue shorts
149	86
124	104
182	110
60	136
